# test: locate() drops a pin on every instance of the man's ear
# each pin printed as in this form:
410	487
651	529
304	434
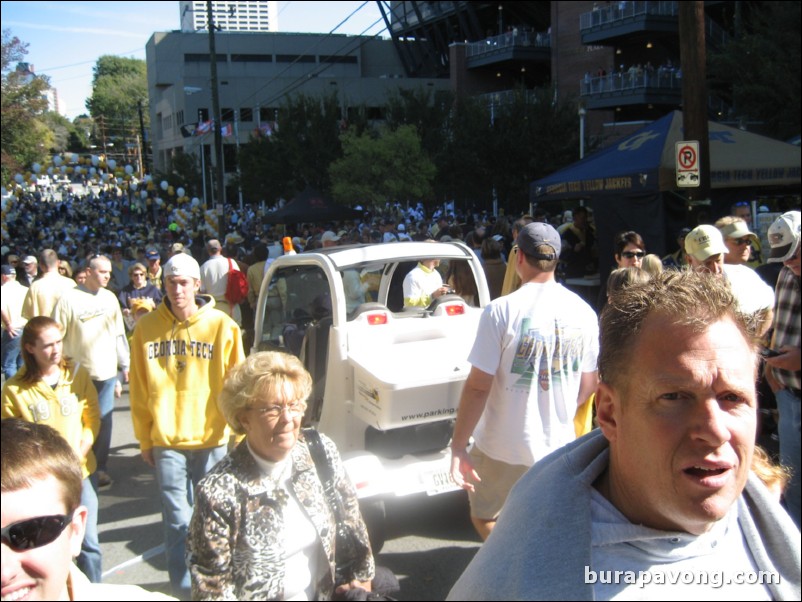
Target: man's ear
608	407
77	529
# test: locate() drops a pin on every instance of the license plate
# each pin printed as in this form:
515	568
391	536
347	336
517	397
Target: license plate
437	482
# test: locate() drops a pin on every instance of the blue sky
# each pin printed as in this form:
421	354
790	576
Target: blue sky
66	38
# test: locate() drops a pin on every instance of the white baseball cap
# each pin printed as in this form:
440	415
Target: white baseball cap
182	264
705	241
783	237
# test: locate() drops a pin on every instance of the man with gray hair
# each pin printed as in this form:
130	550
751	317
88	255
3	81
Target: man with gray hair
660	502
214	278
532	364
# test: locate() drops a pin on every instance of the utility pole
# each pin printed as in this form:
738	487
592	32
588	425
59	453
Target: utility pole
217	123
143	166
694	88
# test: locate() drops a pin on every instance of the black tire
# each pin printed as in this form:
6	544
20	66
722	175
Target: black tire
374	514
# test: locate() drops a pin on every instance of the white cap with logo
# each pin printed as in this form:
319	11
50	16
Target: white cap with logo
783	237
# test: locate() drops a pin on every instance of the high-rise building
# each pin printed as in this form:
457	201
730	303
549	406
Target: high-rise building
230	16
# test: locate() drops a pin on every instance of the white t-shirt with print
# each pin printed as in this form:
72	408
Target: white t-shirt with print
537	342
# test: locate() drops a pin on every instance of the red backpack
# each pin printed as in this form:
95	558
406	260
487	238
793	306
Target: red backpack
237	287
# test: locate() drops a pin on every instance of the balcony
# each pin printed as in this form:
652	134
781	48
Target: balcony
659	87
621	19
523	45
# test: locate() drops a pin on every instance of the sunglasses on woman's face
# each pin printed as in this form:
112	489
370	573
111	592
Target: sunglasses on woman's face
35	532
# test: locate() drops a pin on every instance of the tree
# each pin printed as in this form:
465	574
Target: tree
757	70
24	138
297	154
377	168
118	85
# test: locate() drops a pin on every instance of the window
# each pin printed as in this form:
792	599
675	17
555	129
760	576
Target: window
251	58
295	58
227	115
246	114
339	59
268	114
203	114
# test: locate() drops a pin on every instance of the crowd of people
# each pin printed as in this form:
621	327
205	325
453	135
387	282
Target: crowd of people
254	506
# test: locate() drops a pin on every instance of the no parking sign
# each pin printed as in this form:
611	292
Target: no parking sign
687	159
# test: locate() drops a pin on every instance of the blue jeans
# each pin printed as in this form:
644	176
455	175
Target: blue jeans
89	560
178	472
789	407
105	398
11	357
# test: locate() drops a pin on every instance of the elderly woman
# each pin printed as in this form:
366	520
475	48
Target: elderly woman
262	527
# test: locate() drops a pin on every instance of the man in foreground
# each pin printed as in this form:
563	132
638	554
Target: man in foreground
659	502
43	520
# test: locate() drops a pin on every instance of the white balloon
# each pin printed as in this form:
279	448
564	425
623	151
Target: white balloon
104	177
180	192
160	201
18	178
50	171
95	160
64	169
195	201
36	168
57	160
134	185
129	170
144	194
148	178
111	163
92	171
164	185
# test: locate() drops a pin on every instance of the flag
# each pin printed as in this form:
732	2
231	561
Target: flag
227	130
188	130
204	127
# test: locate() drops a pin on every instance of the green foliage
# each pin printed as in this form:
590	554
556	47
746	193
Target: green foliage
378	168
296	155
24	137
118	85
757	71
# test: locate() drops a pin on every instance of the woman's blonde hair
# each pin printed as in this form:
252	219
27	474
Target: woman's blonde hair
270	376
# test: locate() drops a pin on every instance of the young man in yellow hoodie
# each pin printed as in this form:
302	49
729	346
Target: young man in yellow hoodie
180	355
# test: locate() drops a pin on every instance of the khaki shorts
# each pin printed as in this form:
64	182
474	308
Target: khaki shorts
497	480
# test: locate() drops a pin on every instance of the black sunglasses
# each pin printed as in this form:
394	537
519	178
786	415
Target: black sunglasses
631	254
35	532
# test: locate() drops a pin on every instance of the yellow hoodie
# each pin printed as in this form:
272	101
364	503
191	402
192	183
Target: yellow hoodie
71	407
177	372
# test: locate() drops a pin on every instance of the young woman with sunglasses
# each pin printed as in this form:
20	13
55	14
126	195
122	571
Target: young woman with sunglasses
629	253
43	520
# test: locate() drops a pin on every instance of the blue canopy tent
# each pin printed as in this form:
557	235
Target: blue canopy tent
631	185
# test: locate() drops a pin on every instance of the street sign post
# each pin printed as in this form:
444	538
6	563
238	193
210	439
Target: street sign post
687	161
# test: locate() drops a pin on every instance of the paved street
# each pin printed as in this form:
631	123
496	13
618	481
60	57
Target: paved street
429	540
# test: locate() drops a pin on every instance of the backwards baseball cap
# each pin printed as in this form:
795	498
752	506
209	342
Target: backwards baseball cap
705	241
182	265
536	234
783	237
8	270
738	229
329	236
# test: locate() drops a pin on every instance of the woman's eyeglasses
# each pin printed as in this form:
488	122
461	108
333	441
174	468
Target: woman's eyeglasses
633	254
35	532
294	409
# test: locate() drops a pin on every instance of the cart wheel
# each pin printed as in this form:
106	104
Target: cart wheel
374	515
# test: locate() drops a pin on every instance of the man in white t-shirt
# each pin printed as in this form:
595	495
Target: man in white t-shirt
533	362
